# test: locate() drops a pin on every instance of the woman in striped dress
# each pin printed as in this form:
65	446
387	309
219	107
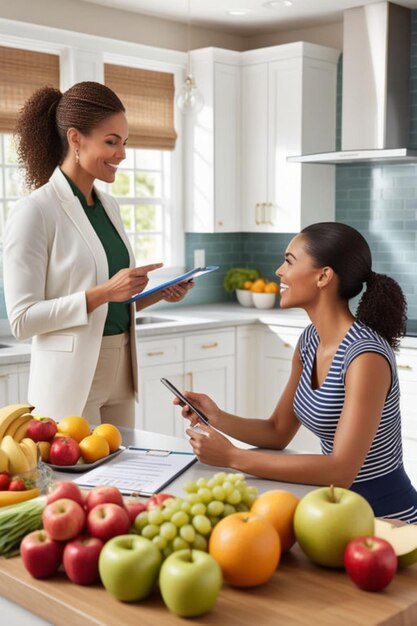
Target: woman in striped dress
343	384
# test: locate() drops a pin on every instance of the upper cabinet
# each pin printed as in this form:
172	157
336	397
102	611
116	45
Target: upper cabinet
262	106
212	189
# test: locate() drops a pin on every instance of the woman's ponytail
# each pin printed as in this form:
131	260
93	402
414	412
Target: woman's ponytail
383	307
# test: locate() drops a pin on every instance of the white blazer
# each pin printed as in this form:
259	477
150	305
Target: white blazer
52	255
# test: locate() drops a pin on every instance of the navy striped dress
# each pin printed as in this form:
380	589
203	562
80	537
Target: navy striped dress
382	479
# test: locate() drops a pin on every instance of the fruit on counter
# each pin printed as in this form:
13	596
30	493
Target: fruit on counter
18	427
17	520
111	434
247	548
11	412
4	461
65	489
258	286
278	506
326	519
107	520
5	480
44	448
74	426
157	499
19	462
9	498
17	484
129	567
133	509
190	581
41	428
80	559
93	448
237	276
370	562
104	494
64	451
63	519
401	536
41	555
30	450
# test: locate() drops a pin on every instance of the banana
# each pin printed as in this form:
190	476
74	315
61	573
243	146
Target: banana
28	454
21	432
30	445
9	413
22	420
18	463
4	461
14	497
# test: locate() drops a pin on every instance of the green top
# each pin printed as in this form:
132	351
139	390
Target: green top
118	315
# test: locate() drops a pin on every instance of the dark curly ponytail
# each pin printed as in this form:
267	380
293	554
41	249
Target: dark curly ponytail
45	118
341	247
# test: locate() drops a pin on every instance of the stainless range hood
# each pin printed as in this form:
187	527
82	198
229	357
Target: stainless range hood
375	94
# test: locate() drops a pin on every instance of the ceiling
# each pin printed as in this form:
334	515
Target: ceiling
261	17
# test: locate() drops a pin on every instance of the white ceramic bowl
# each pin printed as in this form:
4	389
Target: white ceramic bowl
264	300
244	297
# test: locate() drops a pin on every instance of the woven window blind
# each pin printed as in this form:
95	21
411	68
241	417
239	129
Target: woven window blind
148	97
21	73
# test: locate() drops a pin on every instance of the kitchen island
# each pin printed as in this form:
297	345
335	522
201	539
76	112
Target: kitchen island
299	592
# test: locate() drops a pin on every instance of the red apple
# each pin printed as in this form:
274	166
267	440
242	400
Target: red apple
17	484
157	499
41	429
370	562
103	495
65	489
63	519
108	520
5	480
133	509
64	451
81	560
41	555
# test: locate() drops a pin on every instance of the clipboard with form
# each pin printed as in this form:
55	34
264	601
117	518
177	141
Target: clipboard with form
194	273
139	470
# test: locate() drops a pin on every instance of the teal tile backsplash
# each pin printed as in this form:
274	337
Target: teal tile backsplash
379	200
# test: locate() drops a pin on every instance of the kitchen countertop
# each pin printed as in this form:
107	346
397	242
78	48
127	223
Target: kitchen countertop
299	593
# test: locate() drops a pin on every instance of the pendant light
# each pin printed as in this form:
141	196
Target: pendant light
189	99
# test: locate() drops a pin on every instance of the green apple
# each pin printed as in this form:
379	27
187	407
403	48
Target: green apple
326	519
402	537
129	566
190	581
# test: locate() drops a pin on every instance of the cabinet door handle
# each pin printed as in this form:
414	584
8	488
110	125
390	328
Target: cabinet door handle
257	213
190	386
207	346
263	211
160	353
287	345
404	367
271	215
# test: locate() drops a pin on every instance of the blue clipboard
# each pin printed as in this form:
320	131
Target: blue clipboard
197	271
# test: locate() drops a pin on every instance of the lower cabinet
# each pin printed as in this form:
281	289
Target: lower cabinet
203	362
14	382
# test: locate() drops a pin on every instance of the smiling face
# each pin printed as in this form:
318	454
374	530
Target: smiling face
103	149
300	279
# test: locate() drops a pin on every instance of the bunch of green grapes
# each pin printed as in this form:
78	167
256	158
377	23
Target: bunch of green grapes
187	522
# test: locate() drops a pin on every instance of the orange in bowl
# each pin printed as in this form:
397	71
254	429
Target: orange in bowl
93	448
111	434
74	426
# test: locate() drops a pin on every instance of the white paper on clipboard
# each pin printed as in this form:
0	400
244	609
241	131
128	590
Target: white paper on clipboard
139	470
194	273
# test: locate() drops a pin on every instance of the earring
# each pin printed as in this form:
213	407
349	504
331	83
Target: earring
77	155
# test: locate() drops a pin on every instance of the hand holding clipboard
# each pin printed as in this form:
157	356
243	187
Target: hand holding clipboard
194	273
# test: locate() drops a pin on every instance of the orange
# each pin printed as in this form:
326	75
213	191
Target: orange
258	285
74	426
111	434
271	288
247	548
278	506
93	448
247	284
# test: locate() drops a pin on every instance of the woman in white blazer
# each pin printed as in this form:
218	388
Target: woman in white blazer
67	257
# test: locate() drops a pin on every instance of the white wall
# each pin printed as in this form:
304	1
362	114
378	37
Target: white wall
78	16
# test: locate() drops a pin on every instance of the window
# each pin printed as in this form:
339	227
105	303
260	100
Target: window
144	192
11	180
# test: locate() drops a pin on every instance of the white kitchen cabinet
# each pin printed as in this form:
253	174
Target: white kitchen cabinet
288	108
248	359
9	384
278	345
212	145
203	362
407	373
23	381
